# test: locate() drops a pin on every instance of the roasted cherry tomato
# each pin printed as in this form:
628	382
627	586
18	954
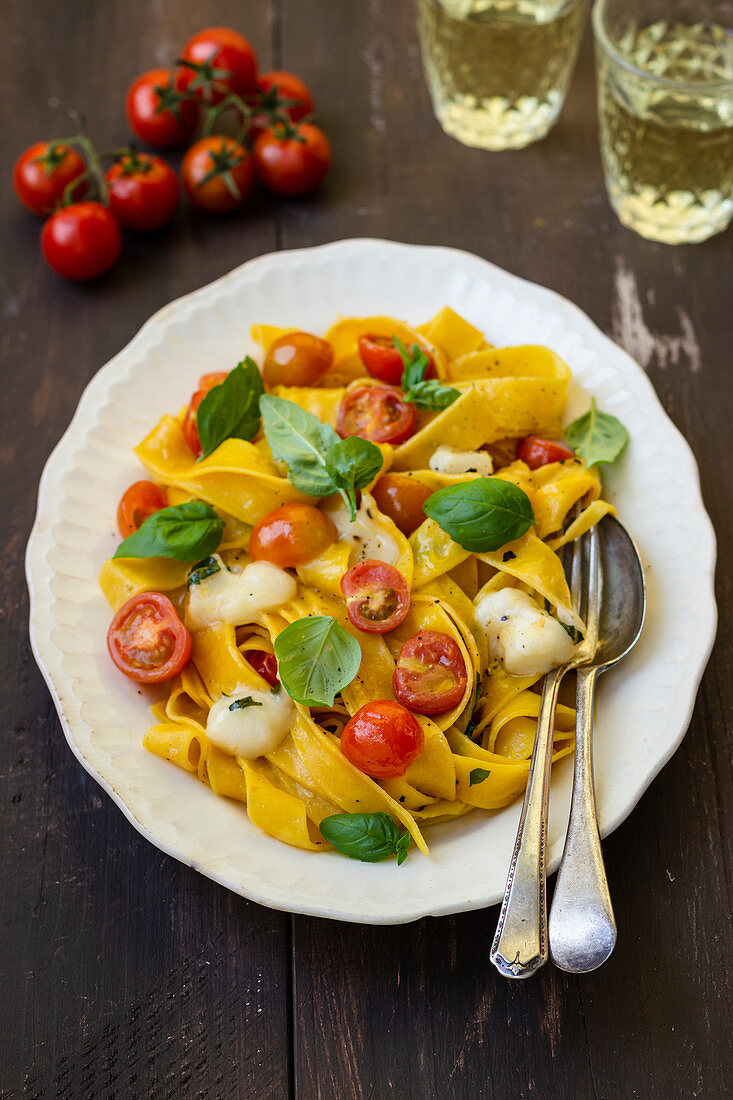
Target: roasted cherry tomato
190	427
382	359
292	160
274	87
382	739
146	639
377	413
219	61
143	192
217	173
402	498
297	359
43	172
264	664
81	241
377	596
536	451
156	113
138	502
430	676
291	535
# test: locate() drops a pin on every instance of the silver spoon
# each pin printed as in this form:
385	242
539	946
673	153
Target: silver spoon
582	928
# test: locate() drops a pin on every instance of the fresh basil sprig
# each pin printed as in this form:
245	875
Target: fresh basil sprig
425	393
316	658
319	463
185	532
597	436
231	410
481	515
477	775
368	837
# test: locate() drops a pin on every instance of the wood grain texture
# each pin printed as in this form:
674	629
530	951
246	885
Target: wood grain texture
127	974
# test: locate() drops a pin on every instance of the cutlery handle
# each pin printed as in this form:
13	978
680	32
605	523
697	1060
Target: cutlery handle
582	925
520	943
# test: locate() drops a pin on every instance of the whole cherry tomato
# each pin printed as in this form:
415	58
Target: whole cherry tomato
190	427
155	111
537	452
81	241
292	160
146	639
141	500
218	61
382	739
143	192
382	359
377	596
377	413
43	172
297	359
264	664
430	676
402	499
217	173
291	535
272	88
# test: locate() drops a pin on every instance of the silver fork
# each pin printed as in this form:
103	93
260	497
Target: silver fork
520	945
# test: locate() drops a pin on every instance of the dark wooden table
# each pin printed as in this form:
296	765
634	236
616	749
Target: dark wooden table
126	974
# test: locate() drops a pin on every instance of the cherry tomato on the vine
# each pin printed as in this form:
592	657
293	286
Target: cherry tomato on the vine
382	739
81	241
297	359
272	88
377	413
43	172
156	112
190	427
430	676
147	640
291	535
377	596
292	160
382	359
141	500
402	499
143	192
217	173
264	664
219	61
537	452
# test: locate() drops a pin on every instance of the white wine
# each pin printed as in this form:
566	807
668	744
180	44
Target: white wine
498	70
667	143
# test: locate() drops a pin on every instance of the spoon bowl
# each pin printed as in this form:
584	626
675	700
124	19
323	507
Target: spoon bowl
623	595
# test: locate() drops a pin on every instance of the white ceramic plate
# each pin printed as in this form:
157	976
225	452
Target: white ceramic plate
643	708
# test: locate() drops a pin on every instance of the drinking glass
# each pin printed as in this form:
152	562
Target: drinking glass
498	70
665	102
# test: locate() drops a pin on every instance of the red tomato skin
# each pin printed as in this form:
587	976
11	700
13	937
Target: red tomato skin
214	196
163	129
222	48
291	535
436	651
137	627
364	411
143	200
382	739
401	498
213	378
297	359
376	588
141	500
189	426
39	187
292	165
536	451
382	359
288	86
264	664
81	241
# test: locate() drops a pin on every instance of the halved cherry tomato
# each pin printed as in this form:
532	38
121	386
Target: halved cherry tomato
141	500
377	413
220	61
377	596
146	639
143	192
81	241
537	452
265	664
297	359
382	739
217	174
156	113
291	535
43	172
292	160
382	359
273	87
430	676
190	428
402	498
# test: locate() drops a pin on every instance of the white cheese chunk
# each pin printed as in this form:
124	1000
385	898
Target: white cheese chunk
527	640
250	722
369	537
449	460
237	597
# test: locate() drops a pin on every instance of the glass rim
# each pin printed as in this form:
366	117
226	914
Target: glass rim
602	39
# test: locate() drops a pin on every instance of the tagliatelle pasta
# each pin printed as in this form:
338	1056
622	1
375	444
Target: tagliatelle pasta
226	718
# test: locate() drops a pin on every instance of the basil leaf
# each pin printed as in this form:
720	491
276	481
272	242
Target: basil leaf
597	436
472	722
242	704
481	515
352	463
299	439
231	410
202	570
368	837
415	362
476	775
316	658
432	395
185	532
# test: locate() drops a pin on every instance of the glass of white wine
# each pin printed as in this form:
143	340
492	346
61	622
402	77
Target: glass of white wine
498	70
665	102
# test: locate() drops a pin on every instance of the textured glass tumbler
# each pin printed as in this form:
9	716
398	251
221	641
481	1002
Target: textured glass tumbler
498	70
665	102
